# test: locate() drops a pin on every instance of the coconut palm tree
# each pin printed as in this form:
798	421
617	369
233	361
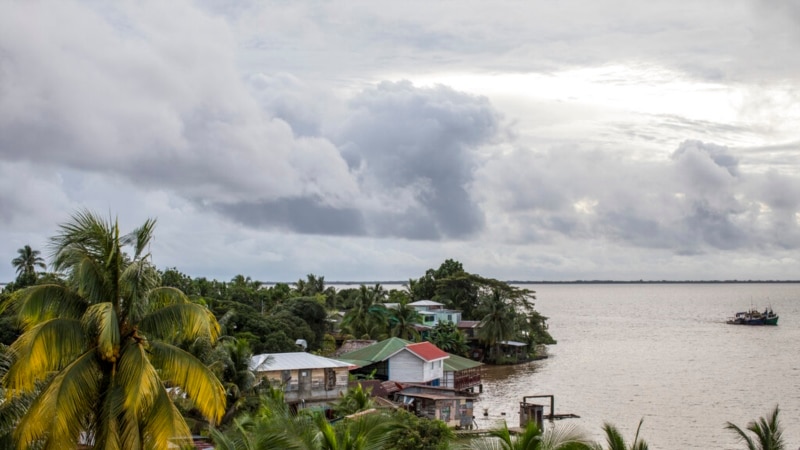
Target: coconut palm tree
27	261
402	320
99	350
768	433
615	440
26	264
497	324
368	317
532	438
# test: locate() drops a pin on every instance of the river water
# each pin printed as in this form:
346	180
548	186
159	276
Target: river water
661	352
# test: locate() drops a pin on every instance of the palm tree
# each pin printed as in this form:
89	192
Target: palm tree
368	317
532	438
99	351
768	433
276	427
26	264
402	320
497	324
617	442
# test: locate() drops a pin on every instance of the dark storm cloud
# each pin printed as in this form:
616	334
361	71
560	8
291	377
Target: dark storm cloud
299	215
421	144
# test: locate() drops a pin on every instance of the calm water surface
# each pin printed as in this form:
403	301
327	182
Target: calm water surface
662	353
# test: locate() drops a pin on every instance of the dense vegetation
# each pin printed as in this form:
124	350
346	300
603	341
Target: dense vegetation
106	349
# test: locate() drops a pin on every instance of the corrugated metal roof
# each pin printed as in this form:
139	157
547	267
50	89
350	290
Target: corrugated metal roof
455	363
376	352
427	351
267	362
425	303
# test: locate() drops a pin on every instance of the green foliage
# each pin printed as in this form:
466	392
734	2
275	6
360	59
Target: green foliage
449	338
532	438
25	264
416	433
328	345
96	352
356	399
402	319
767	433
368	319
615	441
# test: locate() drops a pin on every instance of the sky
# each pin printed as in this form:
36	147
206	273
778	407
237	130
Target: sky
373	140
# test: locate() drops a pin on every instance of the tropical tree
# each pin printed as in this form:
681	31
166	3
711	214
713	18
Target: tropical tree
615	440
497	324
276	427
767	431
368	316
533	438
26	264
449	338
402	321
99	351
357	399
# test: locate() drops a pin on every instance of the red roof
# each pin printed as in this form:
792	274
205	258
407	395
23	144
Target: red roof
427	351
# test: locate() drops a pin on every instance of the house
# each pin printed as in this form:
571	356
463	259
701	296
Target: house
469	328
305	378
434	312
462	374
438	403
399	360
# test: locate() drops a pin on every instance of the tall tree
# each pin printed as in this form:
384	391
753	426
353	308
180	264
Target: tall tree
402	319
368	318
767	431
98	351
497	324
26	264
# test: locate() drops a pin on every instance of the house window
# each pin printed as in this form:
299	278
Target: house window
431	365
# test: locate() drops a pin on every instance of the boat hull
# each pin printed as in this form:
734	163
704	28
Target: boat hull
754	318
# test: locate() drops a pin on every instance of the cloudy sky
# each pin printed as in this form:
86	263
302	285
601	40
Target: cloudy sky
372	140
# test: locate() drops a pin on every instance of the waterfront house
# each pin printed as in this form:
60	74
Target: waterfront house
399	360
434	312
462	374
305	378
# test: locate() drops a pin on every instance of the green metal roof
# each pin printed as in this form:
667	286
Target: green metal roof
455	363
376	352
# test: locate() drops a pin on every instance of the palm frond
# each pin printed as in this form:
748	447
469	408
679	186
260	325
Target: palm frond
42	302
46	347
742	434
140	238
137	378
107	426
58	414
164	423
614	437
564	437
137	280
198	381
101	321
181	322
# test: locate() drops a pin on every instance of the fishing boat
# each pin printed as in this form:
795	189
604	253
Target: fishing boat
755	317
